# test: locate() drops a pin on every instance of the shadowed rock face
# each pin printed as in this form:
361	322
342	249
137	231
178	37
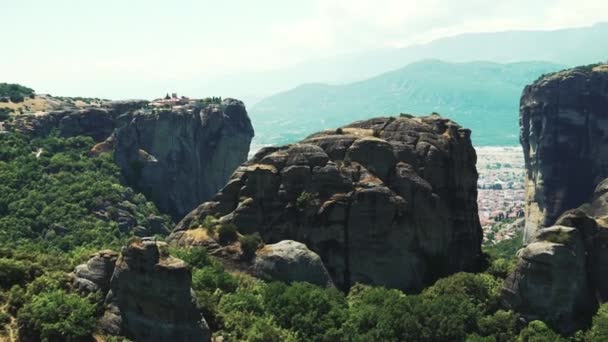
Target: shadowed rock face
150	298
179	159
561	274
387	201
564	133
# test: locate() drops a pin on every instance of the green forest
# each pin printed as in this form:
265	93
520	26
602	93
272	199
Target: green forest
58	205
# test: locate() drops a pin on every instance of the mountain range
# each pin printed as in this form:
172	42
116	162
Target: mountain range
482	96
569	46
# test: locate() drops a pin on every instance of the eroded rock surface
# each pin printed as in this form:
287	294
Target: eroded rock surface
564	133
387	201
179	159
290	261
561	274
96	273
150	298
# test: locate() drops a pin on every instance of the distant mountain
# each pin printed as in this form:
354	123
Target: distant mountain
483	96
570	47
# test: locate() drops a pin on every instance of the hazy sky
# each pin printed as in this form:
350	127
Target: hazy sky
50	42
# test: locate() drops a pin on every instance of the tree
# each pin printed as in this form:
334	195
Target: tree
599	328
57	316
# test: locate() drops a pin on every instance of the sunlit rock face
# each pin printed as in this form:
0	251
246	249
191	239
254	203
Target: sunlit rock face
389	201
564	133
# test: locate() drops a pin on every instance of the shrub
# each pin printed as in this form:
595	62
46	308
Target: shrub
249	244
599	328
57	316
483	290
314	313
339	131
502	325
211	278
16	272
4	319
195	257
305	200
537	331
5	114
227	233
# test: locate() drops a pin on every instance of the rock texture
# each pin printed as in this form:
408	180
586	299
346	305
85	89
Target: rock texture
564	133
290	261
179	159
95	274
387	201
561	275
550	281
150	298
98	123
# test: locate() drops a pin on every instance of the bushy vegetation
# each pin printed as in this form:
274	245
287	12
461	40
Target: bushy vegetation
15	92
54	197
57	206
5	114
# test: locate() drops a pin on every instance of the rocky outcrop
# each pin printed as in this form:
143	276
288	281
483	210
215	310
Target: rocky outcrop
180	158
550	281
560	277
150	298
290	261
387	201
95	274
564	127
97	123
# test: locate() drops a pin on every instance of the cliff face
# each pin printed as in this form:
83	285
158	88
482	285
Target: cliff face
179	159
150	298
387	201
560	276
564	133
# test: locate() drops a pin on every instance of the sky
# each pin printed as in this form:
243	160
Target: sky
60	46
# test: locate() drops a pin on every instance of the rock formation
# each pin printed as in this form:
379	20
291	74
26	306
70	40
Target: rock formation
150	298
564	132
386	201
179	159
560	277
96	273
290	261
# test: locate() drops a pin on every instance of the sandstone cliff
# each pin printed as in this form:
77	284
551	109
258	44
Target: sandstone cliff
564	127
179	159
386	201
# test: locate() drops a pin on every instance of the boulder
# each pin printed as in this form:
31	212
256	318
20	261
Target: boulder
95	274
150	298
387	201
290	261
550	280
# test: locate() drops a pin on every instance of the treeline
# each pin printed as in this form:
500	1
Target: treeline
14	92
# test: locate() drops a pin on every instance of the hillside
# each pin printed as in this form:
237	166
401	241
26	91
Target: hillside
570	46
481	95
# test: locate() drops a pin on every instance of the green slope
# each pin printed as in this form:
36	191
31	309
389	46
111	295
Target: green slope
483	96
